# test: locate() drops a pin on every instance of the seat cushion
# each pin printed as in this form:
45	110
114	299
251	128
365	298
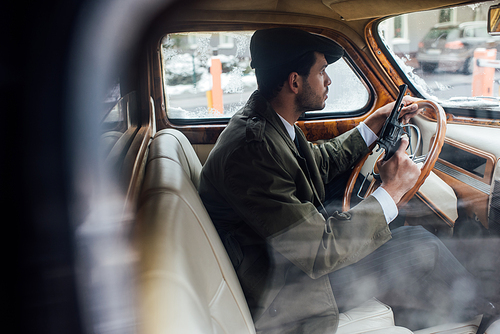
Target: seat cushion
186	281
387	330
372	316
469	327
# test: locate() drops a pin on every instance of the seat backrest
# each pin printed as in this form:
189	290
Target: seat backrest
182	152
186	281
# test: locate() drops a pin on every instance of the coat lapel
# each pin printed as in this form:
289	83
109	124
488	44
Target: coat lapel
270	115
307	162
314	179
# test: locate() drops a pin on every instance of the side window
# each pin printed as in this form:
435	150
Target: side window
114	114
207	75
347	91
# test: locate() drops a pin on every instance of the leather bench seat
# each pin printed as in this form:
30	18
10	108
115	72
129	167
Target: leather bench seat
186	282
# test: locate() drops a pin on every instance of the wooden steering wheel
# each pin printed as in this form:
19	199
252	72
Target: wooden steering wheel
430	159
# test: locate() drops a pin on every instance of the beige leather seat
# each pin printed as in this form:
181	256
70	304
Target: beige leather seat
186	281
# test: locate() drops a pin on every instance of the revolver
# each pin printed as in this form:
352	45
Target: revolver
390	136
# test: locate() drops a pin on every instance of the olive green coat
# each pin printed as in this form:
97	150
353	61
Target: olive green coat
262	197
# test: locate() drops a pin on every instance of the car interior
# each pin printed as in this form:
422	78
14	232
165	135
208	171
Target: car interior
133	97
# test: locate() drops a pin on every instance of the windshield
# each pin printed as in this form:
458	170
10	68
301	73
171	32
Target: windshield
447	55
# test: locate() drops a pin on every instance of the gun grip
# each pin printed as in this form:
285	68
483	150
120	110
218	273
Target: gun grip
391	149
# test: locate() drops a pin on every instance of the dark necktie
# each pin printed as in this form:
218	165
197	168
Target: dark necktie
296	141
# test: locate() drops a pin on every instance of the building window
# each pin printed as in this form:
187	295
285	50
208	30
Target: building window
398	27
447	15
226	41
401	29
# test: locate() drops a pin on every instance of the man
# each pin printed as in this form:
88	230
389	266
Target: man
264	184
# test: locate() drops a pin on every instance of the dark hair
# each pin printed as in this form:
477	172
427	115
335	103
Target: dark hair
270	81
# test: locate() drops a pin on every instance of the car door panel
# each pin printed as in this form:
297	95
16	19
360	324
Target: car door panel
464	143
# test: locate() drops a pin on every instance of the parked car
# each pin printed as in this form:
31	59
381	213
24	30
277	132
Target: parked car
450	47
102	151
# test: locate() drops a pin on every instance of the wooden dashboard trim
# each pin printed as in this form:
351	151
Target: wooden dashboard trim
472	200
453	119
490	161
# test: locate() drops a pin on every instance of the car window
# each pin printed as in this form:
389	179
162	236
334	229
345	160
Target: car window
480	32
469	32
207	75
114	116
453	34
447	58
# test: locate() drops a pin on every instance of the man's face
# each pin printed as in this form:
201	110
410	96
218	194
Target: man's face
315	89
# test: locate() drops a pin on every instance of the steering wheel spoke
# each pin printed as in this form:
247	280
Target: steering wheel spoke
419	159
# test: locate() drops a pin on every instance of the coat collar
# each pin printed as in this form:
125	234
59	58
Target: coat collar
261	106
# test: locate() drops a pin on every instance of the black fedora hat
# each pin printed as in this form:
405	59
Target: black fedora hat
277	46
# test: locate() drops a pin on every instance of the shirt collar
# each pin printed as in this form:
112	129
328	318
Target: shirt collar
289	127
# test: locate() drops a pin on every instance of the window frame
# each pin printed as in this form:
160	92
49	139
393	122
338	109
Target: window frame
308	116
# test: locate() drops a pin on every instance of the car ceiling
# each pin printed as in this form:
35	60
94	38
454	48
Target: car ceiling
346	16
348	10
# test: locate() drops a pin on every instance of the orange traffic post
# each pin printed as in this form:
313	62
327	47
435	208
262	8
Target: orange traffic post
216	71
483	77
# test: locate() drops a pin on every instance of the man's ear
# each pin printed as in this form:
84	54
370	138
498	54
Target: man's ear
294	82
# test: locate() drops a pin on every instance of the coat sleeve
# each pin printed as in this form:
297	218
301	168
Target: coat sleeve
264	194
337	155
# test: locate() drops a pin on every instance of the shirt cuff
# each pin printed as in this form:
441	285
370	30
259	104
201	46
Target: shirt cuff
368	135
387	203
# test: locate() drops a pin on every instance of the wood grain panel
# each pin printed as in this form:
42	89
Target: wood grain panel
473	201
378	54
490	160
453	119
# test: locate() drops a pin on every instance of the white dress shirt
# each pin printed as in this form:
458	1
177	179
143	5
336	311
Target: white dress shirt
381	195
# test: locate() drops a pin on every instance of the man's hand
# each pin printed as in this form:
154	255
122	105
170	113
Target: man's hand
399	174
376	120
